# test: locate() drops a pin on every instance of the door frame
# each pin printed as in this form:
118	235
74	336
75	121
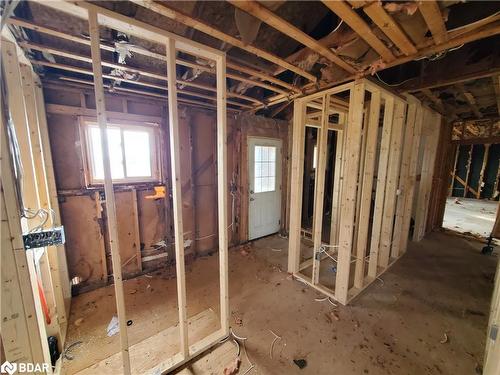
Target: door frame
279	182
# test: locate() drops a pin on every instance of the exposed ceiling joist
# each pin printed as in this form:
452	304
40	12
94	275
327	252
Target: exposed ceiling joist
144	52
265	15
54	108
470	99
89	72
390	28
202	26
434	99
355	22
434	20
87	59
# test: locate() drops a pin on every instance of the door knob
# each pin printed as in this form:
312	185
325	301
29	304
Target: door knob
252	199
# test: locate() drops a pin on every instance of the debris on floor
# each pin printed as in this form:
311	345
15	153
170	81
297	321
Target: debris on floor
276	338
301	363
233	367
113	327
444	340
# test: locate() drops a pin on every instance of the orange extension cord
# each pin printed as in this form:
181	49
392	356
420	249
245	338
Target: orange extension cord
43	301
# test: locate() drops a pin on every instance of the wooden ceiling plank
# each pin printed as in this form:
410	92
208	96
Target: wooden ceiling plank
265	15
359	26
144	52
390	28
434	20
167	11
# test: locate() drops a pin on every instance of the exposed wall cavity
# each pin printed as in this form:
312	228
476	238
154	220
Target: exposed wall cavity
145	224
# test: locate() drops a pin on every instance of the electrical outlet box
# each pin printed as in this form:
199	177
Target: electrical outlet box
52	237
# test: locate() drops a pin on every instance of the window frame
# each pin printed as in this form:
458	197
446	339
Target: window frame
154	131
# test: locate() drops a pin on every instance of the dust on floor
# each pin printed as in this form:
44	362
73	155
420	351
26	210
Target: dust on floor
441	286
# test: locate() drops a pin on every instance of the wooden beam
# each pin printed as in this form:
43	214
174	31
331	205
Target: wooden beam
404	228
366	186
393	172
359	26
78	57
484	30
434	20
319	188
390	28
470	99
222	194
173	125
14	251
430	140
483	168
467	174
296	185
131	26
204	27
385	145
351	162
434	99
62	266
265	15
142	51
108	188
88	72
54	108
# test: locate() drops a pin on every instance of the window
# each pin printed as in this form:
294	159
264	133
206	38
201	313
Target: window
133	153
265	169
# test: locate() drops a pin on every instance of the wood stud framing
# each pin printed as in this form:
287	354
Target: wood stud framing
97	17
375	198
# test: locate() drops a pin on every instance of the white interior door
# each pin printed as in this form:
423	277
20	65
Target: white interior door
264	173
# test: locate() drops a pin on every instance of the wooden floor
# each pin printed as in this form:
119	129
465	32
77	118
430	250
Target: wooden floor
441	286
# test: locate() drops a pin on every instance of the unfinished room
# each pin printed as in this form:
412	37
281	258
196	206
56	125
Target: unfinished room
250	187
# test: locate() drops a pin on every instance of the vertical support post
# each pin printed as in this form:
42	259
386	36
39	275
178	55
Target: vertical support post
137	236
173	123
457	152
60	267
432	123
348	206
337	179
24	259
392	184
319	189
483	168
296	177
404	178
380	187
412	176
22	340
467	175
366	188
222	191
108	188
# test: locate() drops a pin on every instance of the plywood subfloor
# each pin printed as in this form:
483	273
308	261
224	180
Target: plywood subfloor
442	285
